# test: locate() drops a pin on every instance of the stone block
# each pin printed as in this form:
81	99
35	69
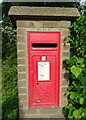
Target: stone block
21	39
22	97
64	103
22	76
50	111
65	32
21	47
21	54
22	83
21	61
22	90
21	31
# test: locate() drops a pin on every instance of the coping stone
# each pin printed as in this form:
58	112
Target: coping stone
44	11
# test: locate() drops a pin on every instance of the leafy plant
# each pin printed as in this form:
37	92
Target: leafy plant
8	40
76	108
9	89
9	74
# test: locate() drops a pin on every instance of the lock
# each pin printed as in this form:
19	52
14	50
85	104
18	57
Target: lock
43	58
38	101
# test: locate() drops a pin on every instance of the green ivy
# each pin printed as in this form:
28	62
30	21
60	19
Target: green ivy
76	108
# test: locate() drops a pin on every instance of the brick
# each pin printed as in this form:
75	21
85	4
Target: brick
22	117
22	83
63	39
46	116
44	24
22	97
50	110
23	103
21	47
22	90
65	32
21	39
37	116
64	103
27	111
67	47
64	82
63	96
63	89
51	24
58	116
65	24
66	54
21	61
21	23
21	31
21	54
33	114
27	24
42	116
21	76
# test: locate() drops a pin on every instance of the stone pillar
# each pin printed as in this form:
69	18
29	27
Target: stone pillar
43	23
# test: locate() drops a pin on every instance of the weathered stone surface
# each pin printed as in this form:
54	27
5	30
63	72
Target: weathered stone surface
22	90
44	11
22	83
21	31
64	103
43	24
28	111
21	61
50	110
21	76
22	97
21	54
21	47
21	39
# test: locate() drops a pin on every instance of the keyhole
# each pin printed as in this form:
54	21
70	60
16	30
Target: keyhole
37	83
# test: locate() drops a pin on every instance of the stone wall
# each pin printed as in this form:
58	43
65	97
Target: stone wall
22	53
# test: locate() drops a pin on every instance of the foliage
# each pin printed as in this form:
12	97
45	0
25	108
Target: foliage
9	89
9	73
8	40
76	109
76	65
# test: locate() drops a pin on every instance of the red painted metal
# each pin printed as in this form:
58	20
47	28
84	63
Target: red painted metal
43	69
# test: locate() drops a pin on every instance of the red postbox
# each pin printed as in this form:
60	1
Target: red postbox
44	69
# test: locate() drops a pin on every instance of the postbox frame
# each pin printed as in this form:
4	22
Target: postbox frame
37	52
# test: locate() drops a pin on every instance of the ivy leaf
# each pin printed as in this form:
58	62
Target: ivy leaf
80	60
76	70
76	114
82	79
70	87
84	114
82	65
72	95
81	100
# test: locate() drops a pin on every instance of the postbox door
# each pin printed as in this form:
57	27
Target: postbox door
44	82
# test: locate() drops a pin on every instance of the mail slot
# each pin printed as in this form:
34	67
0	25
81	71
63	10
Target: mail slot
44	69
45	45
